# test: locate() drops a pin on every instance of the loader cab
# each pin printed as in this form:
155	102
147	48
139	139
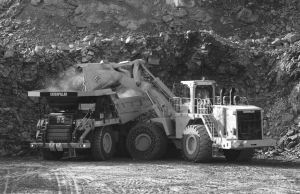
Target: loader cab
202	92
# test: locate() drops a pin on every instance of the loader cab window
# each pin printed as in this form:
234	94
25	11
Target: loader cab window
203	92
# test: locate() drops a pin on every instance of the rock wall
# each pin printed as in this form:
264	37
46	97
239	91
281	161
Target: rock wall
252	46
172	57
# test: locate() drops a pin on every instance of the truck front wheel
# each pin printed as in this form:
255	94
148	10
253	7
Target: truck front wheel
147	141
196	144
103	144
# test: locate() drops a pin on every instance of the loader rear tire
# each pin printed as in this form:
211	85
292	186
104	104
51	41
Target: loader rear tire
147	141
103	144
196	144
51	155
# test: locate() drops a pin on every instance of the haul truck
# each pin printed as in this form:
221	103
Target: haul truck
197	121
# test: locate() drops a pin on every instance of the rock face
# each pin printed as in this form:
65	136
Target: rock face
46	67
41	40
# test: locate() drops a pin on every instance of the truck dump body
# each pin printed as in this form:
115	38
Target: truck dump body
46	92
127	108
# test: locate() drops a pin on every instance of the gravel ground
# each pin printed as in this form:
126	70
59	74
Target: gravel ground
32	175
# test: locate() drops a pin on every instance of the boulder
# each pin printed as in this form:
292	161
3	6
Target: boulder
39	49
3	130
3	152
88	38
35	2
167	18
10	127
281	141
9	53
292	37
63	46
291	144
181	3
247	16
293	137
290	132
200	15
276	42
179	13
132	26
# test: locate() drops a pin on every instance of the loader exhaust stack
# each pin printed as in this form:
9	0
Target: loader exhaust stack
222	92
232	92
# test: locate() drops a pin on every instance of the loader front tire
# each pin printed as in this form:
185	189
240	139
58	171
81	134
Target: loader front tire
103	144
196	144
147	141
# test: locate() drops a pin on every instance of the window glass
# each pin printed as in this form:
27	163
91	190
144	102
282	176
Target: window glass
203	92
87	106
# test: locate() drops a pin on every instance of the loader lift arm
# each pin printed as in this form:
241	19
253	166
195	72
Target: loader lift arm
106	75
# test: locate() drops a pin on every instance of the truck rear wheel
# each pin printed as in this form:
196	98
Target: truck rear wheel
51	155
196	144
103	144
147	141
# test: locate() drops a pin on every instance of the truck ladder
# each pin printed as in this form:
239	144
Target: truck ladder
42	128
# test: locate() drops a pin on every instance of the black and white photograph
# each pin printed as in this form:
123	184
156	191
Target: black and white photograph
150	96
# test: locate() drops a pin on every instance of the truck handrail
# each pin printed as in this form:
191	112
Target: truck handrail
82	120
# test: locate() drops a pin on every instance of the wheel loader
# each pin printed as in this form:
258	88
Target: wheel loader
97	120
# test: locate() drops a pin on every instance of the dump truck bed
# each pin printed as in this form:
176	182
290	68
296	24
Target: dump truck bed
46	92
128	108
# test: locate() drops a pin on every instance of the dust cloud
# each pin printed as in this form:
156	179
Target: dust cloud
70	80
127	92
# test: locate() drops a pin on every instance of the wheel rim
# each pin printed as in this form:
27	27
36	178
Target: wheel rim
142	142
191	144
107	142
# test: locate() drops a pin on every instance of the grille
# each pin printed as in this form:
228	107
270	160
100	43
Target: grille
59	129
249	125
